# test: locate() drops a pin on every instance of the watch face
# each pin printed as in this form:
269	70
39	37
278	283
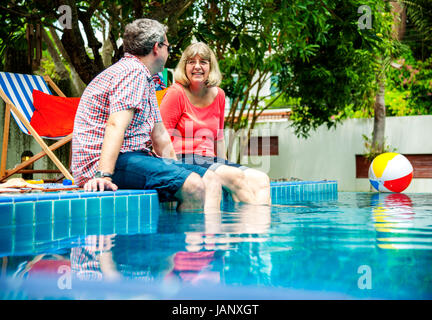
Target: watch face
100	174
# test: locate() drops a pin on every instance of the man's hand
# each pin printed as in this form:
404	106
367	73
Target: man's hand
101	184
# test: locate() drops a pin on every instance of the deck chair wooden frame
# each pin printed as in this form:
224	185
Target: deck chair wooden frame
46	150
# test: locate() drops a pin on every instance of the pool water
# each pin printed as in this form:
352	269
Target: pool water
349	246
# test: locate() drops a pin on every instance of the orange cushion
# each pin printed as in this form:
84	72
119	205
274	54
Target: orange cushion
53	116
160	94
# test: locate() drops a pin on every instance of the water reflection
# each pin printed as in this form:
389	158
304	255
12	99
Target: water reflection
392	211
306	245
396	224
189	248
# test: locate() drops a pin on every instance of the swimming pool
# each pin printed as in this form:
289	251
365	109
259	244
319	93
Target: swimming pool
337	246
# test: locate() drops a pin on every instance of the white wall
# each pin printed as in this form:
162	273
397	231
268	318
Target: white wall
330	154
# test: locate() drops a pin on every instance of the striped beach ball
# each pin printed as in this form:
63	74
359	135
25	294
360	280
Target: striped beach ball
390	172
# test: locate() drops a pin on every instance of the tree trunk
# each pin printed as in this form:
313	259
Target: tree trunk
379	118
64	82
78	84
399	24
107	51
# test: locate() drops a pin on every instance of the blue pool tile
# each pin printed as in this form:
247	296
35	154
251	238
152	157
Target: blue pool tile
120	204
77	227
24	238
133	225
120	193
146	217
93	226
48	196
120	217
43	211
67	195
26	198
145	208
120	225
6	241
78	217
93	215
107	215
24	213
154	205
107	193
107	225
61	210
133	203
61	219
297	192
144	202
93	207
95	194
5	199
136	192
133	214
44	232
78	209
107	207
6	214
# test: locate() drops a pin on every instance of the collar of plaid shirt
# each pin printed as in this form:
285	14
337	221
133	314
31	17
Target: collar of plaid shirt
147	71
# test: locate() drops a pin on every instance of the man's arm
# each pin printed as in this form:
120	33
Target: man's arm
113	139
161	142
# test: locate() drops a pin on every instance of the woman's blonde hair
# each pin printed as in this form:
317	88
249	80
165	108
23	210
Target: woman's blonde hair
203	50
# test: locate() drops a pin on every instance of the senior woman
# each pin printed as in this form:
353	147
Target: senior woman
193	112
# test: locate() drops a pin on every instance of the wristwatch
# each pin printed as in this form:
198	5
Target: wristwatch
100	174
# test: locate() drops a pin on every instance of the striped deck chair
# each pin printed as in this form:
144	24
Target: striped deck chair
16	91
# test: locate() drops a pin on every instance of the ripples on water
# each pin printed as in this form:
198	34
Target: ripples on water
361	245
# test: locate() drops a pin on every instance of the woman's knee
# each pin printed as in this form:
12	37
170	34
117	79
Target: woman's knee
212	181
233	178
193	187
257	178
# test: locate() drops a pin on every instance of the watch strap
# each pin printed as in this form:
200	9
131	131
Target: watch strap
101	174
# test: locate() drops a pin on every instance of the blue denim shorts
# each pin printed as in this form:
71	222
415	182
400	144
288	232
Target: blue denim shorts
211	163
142	170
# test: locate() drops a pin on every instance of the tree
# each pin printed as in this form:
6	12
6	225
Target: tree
420	13
316	49
115	13
320	56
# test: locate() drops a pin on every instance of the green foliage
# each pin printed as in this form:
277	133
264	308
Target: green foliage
12	34
409	88
283	101
323	60
421	89
340	79
420	12
397	102
325	65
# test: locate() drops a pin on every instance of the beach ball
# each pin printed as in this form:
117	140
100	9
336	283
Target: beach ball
390	172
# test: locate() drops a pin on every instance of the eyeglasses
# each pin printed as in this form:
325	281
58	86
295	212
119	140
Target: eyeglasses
169	47
201	62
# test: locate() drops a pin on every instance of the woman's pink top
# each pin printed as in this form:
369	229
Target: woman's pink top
193	129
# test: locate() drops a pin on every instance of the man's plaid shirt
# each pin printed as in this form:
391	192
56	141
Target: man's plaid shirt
127	84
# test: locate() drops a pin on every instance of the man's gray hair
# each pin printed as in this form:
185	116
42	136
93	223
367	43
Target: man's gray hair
141	35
